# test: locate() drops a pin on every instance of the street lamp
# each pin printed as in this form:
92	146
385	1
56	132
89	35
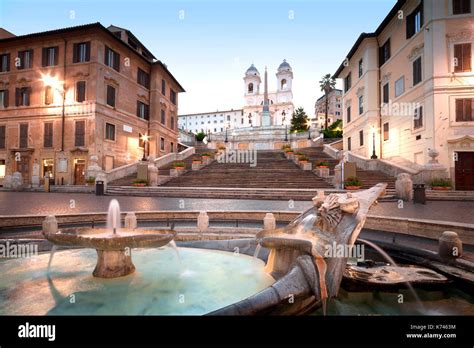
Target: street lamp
308	124
226	127
209	135
145	138
286	126
374	155
59	86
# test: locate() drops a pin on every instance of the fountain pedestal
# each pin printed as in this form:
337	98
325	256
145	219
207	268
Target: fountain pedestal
113	263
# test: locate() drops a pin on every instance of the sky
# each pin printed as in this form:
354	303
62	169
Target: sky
209	44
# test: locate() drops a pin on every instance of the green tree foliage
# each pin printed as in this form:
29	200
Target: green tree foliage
299	121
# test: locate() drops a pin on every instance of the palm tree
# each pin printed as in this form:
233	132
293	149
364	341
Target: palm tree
327	84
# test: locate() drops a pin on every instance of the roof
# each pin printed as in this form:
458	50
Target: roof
212	112
333	90
100	27
130	34
376	33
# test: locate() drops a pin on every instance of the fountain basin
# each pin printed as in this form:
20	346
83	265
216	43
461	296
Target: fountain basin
114	250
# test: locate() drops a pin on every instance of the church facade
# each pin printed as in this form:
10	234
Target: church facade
280	105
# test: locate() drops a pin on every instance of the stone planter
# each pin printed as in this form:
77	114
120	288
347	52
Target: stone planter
322	172
441	188
138	185
305	165
352	187
206	160
197	165
176	171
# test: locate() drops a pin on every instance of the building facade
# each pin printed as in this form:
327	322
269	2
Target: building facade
72	93
409	87
211	122
334	109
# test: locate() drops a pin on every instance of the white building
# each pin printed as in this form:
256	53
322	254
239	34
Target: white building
213	122
280	105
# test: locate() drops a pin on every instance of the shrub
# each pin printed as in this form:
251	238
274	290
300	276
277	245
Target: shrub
208	154
200	136
441	182
221	147
90	180
303	158
352	181
288	149
140	181
300	154
286	146
322	163
178	165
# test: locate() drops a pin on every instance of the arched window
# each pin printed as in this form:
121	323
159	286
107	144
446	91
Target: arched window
250	87
283	84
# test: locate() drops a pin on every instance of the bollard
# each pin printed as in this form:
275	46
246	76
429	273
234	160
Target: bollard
449	246
130	221
202	221
50	224
269	222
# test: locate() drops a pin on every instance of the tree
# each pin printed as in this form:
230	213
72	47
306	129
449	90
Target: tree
327	84
334	130
299	121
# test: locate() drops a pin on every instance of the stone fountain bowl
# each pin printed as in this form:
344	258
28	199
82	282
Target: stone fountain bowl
104	239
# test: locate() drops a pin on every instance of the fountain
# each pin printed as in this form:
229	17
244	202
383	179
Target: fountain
114	244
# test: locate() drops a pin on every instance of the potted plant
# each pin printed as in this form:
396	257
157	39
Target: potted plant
140	183
179	165
286	146
322	164
221	148
352	183
441	184
303	159
197	160
207	154
90	181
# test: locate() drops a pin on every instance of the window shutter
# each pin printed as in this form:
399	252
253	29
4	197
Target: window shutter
75	53
44	58
88	51
467	110
459	57
410	26
17	96
138	109
106	56
466	57
5	98
147	112
28	93
8	62
117	61
459	110
56	55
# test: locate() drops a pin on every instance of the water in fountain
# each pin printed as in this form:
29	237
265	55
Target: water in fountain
392	262
51	255
257	250
113	216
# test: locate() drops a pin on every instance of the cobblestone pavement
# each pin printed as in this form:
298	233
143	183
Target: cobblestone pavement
38	203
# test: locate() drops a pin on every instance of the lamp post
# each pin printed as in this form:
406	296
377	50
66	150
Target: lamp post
308	123
145	139
226	127
286	126
374	155
209	135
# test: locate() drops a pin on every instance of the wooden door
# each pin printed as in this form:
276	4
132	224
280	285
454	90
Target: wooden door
464	171
80	172
23	166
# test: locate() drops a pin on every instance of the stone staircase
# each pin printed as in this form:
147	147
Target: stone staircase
272	170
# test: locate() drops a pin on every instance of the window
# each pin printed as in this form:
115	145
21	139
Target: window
48	135
163	117
162	144
163	87
143	78
462	57
384	53
80	133
48	95
417	71
348	113
5	62
347	82
361	137
23	135
2	137
2	168
112	59
250	89
173	96
110	95
50	56
4	98
361	67
81	52
414	21
385	93
361	105
172	122
418	118
464	110
172	147
26	59
400	86
386	130
349	145
461	6
22	96
110	131
80	91
284	84
143	110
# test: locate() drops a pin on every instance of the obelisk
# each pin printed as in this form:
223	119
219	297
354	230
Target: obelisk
266	117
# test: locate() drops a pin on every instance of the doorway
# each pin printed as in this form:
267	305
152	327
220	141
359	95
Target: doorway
79	171
23	166
464	171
